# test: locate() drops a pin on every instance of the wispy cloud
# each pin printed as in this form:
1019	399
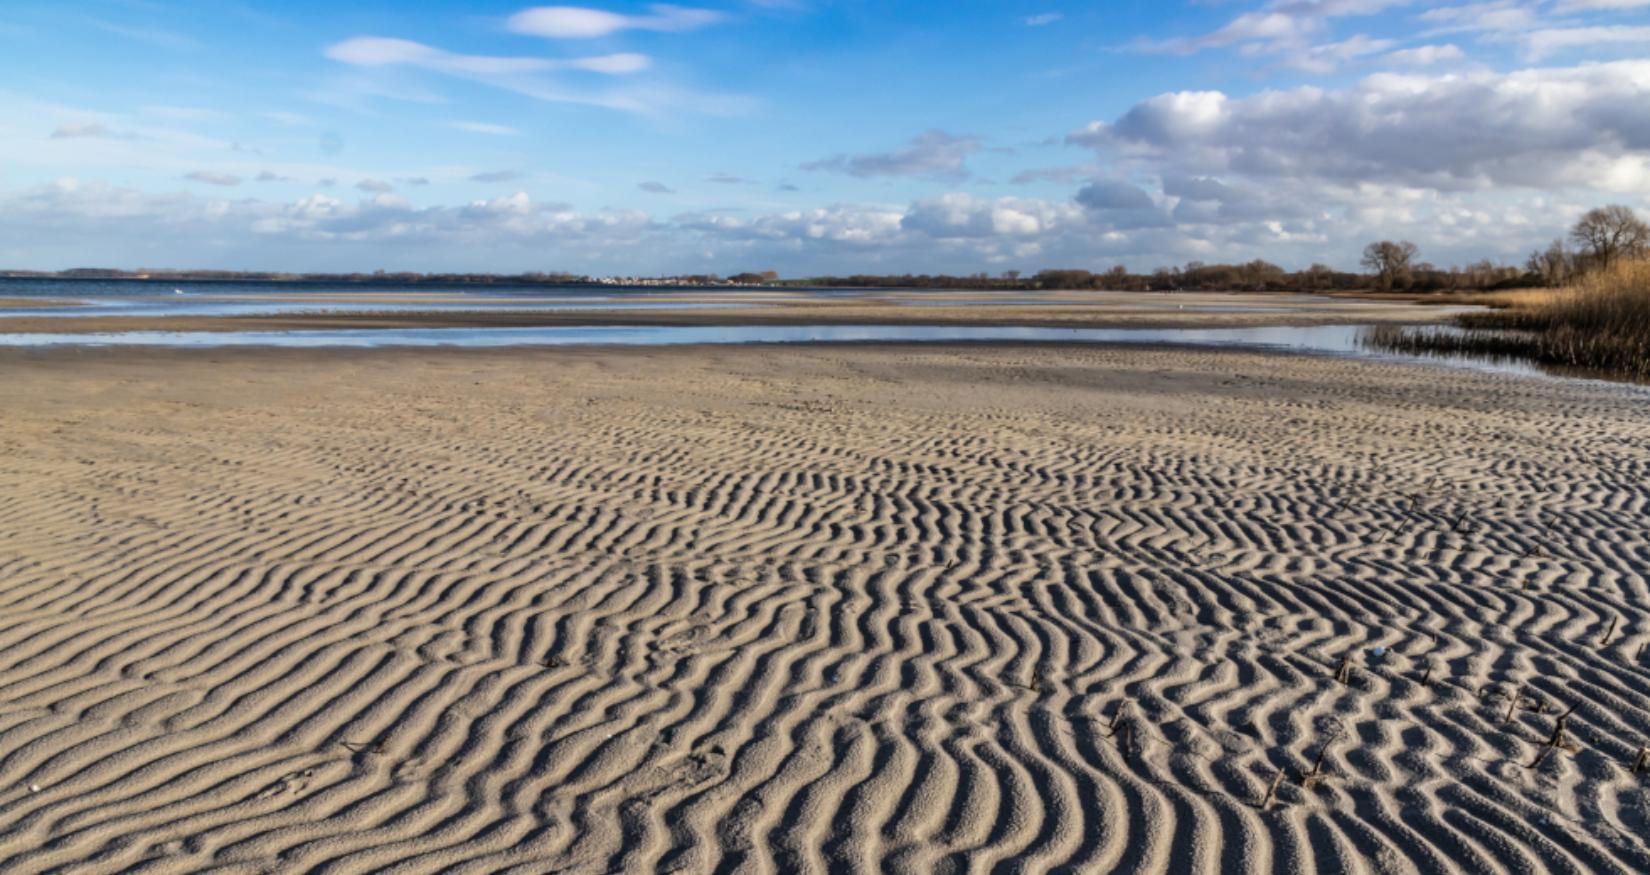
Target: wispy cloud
88	130
577	22
934	155
485	128
546	79
1423	56
154	36
1542	43
1043	19
211	177
377	51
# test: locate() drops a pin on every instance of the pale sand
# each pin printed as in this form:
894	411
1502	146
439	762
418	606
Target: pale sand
1055	310
814	609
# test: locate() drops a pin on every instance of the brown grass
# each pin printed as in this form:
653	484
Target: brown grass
1600	323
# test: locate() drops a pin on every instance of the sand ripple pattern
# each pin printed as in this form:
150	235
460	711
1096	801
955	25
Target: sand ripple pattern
821	611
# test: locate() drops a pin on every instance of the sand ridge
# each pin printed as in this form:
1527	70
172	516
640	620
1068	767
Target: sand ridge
804	609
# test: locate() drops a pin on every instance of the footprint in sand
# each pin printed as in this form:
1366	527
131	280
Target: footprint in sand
295	783
411	769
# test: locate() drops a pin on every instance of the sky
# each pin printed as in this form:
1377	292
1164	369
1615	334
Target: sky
809	136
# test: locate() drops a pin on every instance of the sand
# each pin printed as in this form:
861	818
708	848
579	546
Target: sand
816	609
1052	310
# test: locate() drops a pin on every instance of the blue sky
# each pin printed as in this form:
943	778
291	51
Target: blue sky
809	136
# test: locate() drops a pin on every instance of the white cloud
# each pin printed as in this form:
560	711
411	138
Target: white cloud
1329	57
1545	127
1425	56
85	130
1043	19
54	225
1564	6
213	178
376	51
963	216
1542	43
1494	16
576	22
485	128
933	155
532	77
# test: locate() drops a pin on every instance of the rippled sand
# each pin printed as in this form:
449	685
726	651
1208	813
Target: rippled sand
817	609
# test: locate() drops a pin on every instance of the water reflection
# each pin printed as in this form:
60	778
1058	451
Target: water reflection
186	307
1336	340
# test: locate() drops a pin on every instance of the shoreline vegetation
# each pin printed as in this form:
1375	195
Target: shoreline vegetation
1600	323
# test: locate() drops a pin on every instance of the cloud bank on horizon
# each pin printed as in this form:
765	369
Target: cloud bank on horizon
809	136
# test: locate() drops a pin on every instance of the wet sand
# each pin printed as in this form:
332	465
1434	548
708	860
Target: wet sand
1052	310
816	609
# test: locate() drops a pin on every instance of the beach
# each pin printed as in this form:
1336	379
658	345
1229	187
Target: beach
286	311
809	609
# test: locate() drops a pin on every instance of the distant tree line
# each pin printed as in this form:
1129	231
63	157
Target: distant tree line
1198	276
375	277
1599	239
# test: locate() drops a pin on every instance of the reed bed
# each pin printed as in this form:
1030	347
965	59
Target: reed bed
1600	323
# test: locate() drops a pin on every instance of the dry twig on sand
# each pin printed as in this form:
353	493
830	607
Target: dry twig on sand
1559	739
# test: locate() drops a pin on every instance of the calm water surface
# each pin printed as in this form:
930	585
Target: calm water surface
1333	340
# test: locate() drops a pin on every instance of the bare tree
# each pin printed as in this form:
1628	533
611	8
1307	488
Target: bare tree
1609	234
1555	265
1390	260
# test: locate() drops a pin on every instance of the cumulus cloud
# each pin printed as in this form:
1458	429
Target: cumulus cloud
933	155
270	176
952	232
958	215
577	22
1553	127
655	187
374	186
1121	205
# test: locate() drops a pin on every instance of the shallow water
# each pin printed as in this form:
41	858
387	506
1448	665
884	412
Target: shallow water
186	307
1335	340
